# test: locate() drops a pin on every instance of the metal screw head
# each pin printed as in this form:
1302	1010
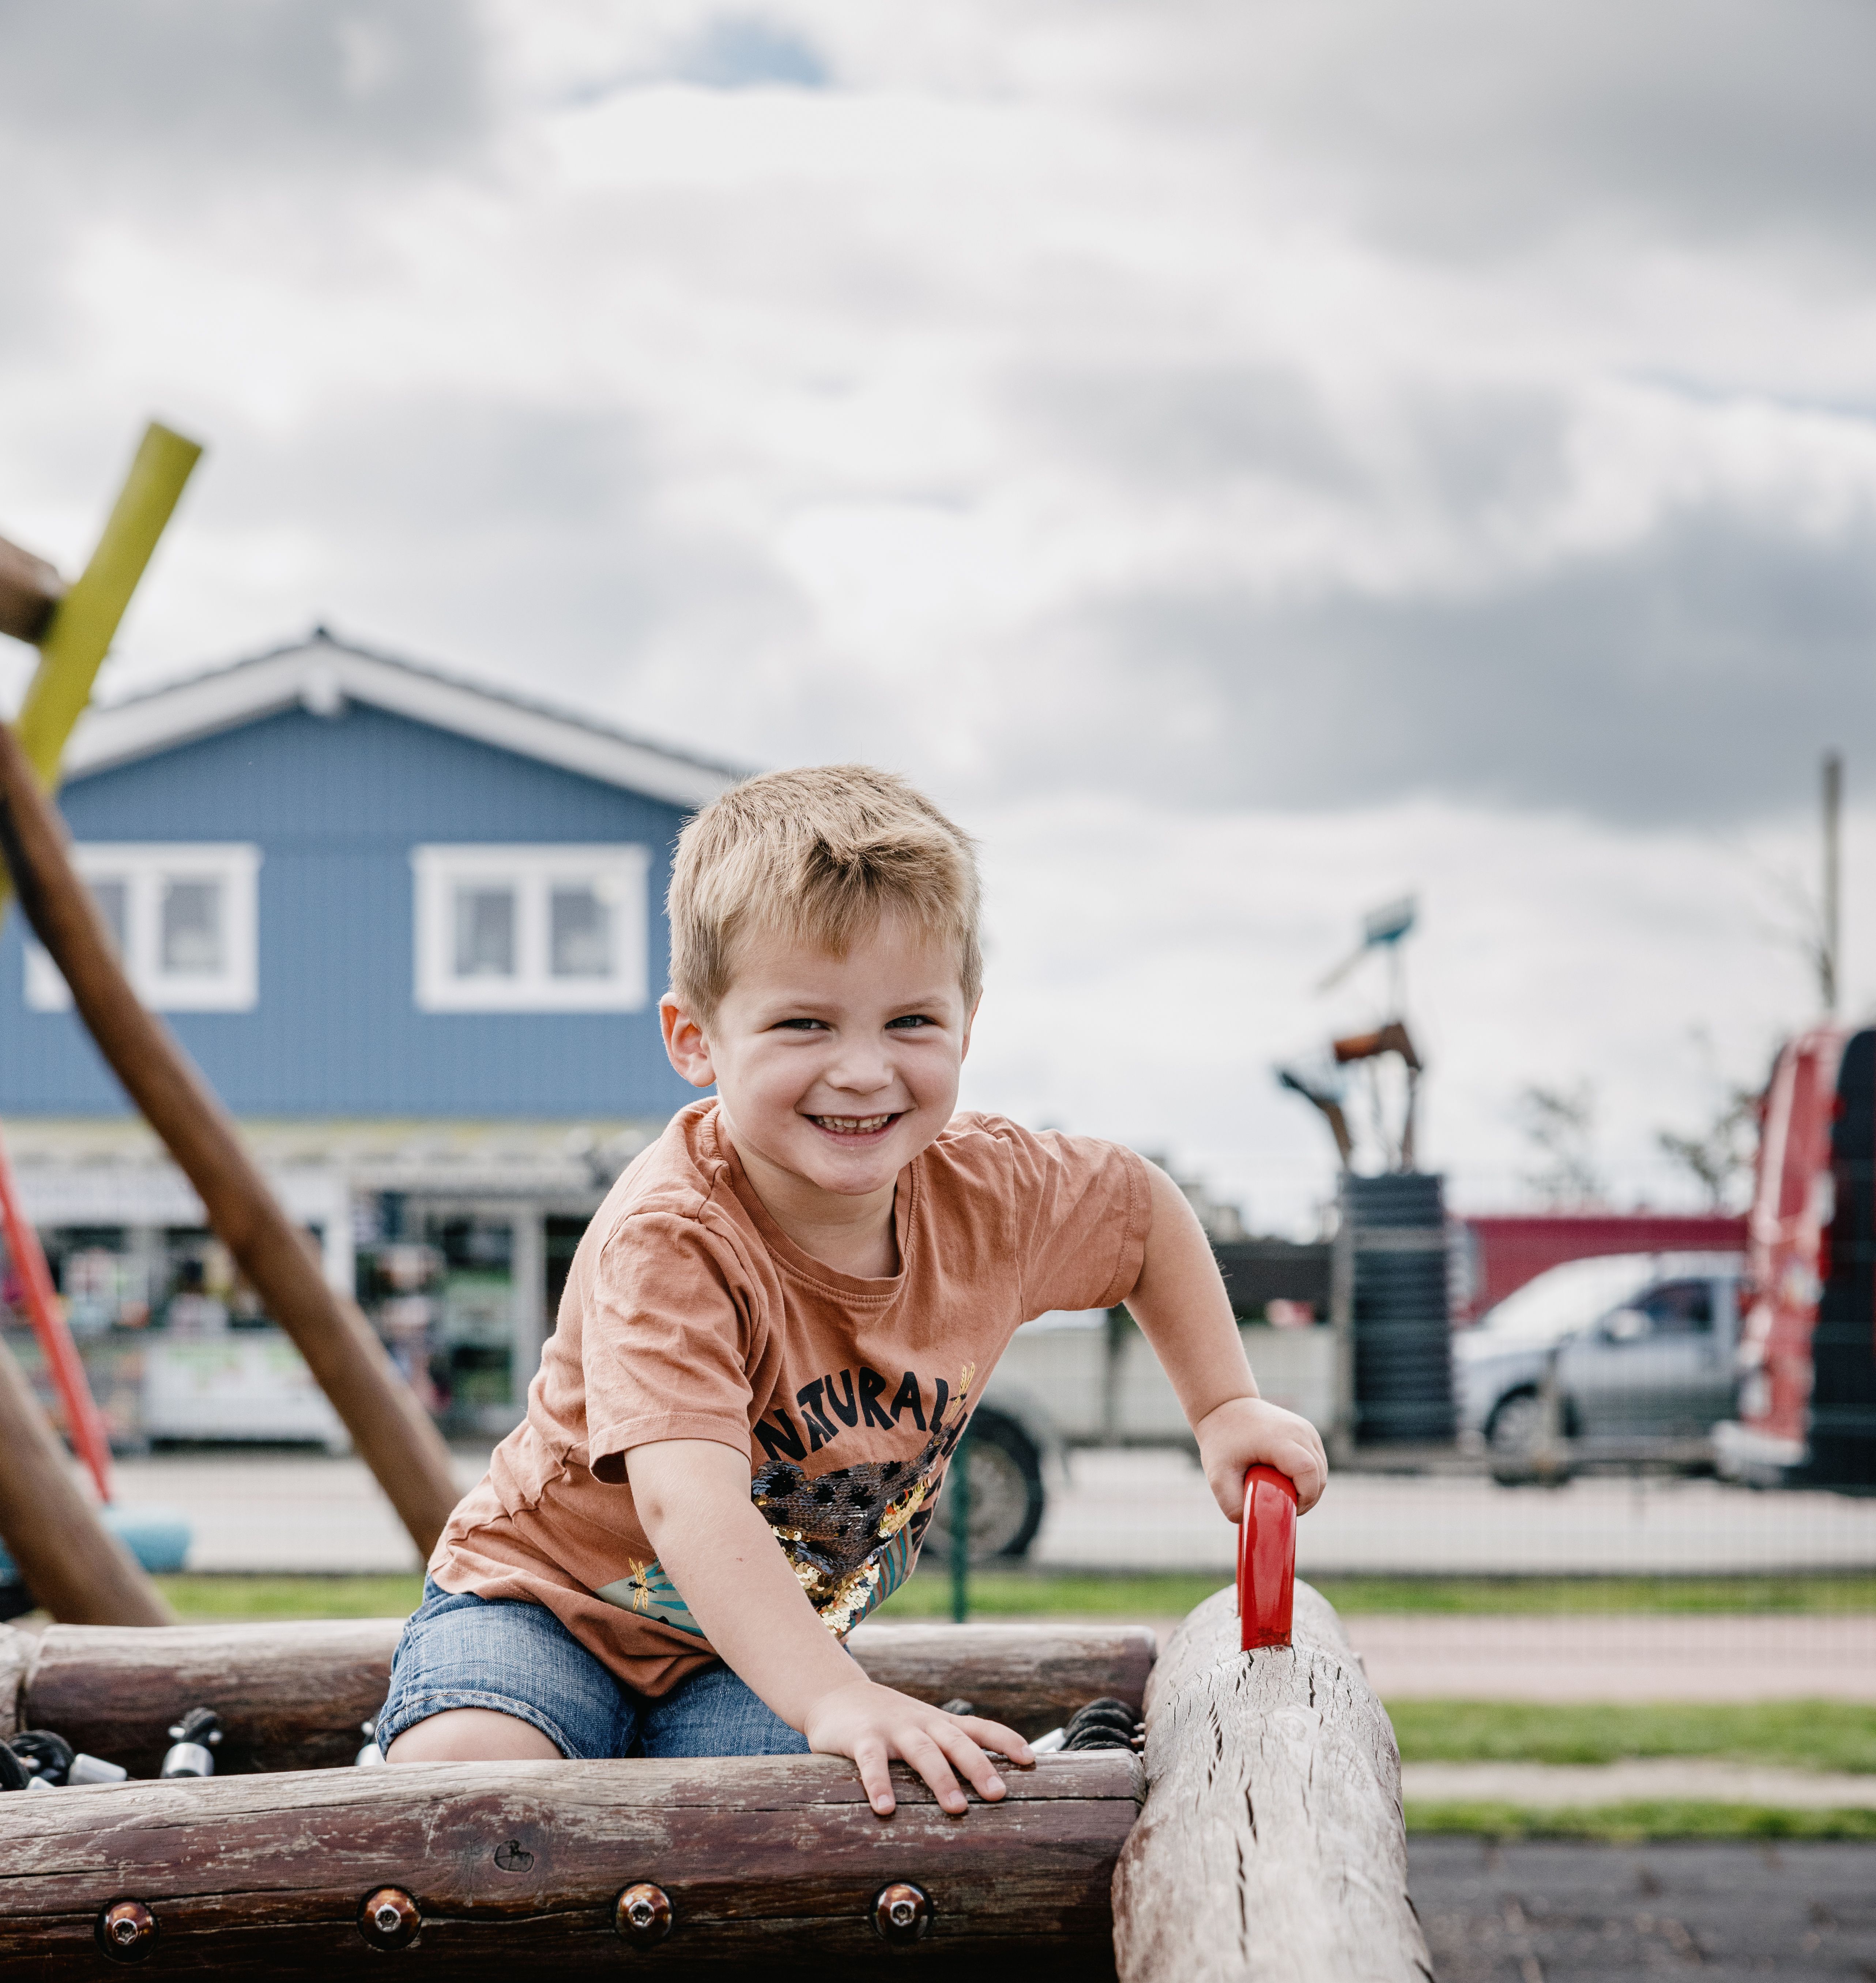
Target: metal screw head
388	1918
643	1916
902	1913
127	1931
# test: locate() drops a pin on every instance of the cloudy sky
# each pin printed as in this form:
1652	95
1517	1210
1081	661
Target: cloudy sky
1248	461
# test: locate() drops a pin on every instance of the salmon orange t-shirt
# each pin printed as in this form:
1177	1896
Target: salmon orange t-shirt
689	1314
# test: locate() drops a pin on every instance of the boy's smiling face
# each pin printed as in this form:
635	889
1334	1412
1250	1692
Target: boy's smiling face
832	1073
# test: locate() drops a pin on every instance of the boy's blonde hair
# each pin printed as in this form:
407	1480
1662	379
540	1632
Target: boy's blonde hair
816	855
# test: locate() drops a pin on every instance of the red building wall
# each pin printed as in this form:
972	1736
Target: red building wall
1507	1250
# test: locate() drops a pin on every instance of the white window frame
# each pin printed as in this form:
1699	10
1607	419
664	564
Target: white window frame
532	871
144	866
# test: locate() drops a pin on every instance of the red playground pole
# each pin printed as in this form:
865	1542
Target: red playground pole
1266	1559
82	1414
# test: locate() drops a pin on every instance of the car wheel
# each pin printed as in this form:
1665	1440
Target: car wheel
1517	1425
1007	1493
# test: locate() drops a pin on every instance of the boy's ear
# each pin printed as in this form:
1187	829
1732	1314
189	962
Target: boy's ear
971	1021
685	1045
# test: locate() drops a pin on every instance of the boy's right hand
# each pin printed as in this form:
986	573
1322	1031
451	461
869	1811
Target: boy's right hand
872	1724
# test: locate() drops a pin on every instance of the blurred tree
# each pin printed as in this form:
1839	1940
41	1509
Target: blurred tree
1719	1157
1561	1123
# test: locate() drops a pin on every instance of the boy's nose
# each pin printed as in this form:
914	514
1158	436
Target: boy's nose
860	1072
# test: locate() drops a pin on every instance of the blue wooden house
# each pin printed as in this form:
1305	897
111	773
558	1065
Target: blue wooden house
412	929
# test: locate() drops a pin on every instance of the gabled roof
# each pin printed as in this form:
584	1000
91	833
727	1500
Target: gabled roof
322	673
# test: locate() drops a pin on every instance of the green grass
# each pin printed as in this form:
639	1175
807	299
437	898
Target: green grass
1557	1594
254	1597
1630	1824
1797	1734
993	1594
1015	1593
1022	1593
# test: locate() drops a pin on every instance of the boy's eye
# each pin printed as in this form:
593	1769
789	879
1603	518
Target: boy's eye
801	1025
910	1019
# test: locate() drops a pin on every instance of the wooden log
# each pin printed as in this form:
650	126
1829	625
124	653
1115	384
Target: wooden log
30	588
70	1561
1032	1677
772	1865
392	1432
291	1696
16	1653
1271	1849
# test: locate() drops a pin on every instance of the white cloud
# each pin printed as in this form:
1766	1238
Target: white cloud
1146	969
1248	460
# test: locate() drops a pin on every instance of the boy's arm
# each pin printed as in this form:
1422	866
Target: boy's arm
1180	1303
692	1495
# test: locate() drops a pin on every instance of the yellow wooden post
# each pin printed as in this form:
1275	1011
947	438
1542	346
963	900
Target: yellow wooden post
73	646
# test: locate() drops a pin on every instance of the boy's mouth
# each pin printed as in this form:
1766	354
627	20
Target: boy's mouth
855	1127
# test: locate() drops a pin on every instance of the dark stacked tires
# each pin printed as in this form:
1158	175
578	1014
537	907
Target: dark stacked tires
1403	1333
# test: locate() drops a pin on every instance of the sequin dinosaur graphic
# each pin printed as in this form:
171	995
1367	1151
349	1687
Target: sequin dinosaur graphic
852	1534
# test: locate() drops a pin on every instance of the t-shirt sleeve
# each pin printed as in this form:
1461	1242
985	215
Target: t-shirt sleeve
1081	1210
665	1345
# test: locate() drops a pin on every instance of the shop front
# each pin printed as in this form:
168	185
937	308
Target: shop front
457	1241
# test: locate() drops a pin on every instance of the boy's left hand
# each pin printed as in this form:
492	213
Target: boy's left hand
1243	1433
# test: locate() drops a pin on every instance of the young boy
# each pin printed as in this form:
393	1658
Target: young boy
778	1324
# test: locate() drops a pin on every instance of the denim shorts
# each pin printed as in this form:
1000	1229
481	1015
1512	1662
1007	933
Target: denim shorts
518	1659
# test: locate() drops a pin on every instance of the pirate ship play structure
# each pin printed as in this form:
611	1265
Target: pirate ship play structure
1258	1836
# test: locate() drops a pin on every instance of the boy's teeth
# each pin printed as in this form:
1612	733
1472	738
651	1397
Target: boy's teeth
852	1125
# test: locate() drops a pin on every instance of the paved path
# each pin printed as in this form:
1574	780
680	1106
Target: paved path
1622	1655
1653	1779
1153	1509
1126	1510
1607	1914
284	1512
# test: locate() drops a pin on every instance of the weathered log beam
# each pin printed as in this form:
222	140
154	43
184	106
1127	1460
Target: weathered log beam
30	590
1032	1677
1271	1849
770	1864
292	1695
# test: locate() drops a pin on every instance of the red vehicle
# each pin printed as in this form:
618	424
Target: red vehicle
1807	1343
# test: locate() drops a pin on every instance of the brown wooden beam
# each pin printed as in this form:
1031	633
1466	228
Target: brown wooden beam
291	1696
72	1564
772	1865
30	591
1032	1677
393	1432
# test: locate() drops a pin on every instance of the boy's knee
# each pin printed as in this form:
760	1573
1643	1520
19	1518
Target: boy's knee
472	1735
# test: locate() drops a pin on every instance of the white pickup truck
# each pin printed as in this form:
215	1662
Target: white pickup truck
1079	1379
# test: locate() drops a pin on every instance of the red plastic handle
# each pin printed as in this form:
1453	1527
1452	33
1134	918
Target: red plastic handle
1267	1558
